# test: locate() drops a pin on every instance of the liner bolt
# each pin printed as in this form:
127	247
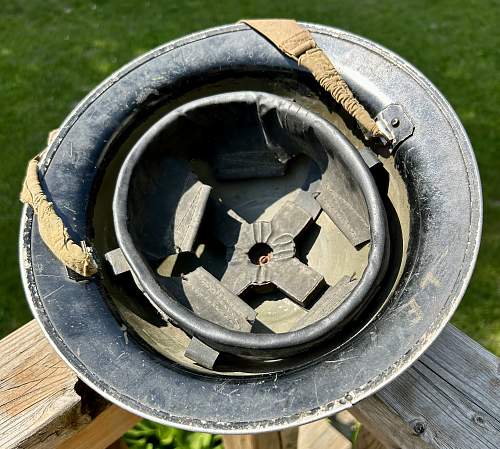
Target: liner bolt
395	122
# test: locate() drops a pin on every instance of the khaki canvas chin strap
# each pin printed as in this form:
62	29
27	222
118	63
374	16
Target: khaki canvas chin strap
51	227
298	43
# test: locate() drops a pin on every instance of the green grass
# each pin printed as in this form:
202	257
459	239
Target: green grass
52	53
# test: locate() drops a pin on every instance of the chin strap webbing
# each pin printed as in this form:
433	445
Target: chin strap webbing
50	225
297	43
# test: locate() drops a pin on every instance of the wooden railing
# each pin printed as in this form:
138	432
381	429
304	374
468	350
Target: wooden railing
450	398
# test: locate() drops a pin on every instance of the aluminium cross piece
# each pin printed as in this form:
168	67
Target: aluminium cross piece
263	252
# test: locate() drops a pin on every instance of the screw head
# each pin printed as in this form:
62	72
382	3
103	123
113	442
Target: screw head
395	122
478	419
419	427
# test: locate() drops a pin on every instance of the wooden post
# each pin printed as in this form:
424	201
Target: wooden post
271	440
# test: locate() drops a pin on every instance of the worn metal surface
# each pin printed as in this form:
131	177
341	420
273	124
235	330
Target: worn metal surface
434	163
330	300
178	199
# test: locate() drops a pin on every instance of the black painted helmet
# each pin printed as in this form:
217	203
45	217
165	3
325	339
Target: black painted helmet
262	260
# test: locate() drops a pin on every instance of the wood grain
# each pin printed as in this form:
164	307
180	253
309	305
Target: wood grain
449	399
317	435
101	432
38	403
321	435
289	438
39	407
270	440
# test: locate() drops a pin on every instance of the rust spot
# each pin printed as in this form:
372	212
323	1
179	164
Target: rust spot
265	259
260	254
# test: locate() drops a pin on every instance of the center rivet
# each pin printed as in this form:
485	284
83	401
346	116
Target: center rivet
260	254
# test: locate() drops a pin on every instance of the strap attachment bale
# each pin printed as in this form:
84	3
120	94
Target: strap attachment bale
298	43
51	227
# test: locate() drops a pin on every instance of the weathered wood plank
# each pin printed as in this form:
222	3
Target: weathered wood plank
317	435
289	438
321	435
366	440
269	440
38	402
102	431
449	399
39	405
345	423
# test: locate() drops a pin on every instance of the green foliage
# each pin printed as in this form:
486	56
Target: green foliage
149	435
355	433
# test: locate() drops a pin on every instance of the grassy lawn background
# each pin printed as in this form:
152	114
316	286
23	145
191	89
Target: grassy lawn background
52	53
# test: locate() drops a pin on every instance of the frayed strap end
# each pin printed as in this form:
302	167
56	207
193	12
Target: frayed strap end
51	227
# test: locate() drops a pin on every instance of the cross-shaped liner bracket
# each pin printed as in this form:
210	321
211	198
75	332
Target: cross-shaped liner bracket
263	252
